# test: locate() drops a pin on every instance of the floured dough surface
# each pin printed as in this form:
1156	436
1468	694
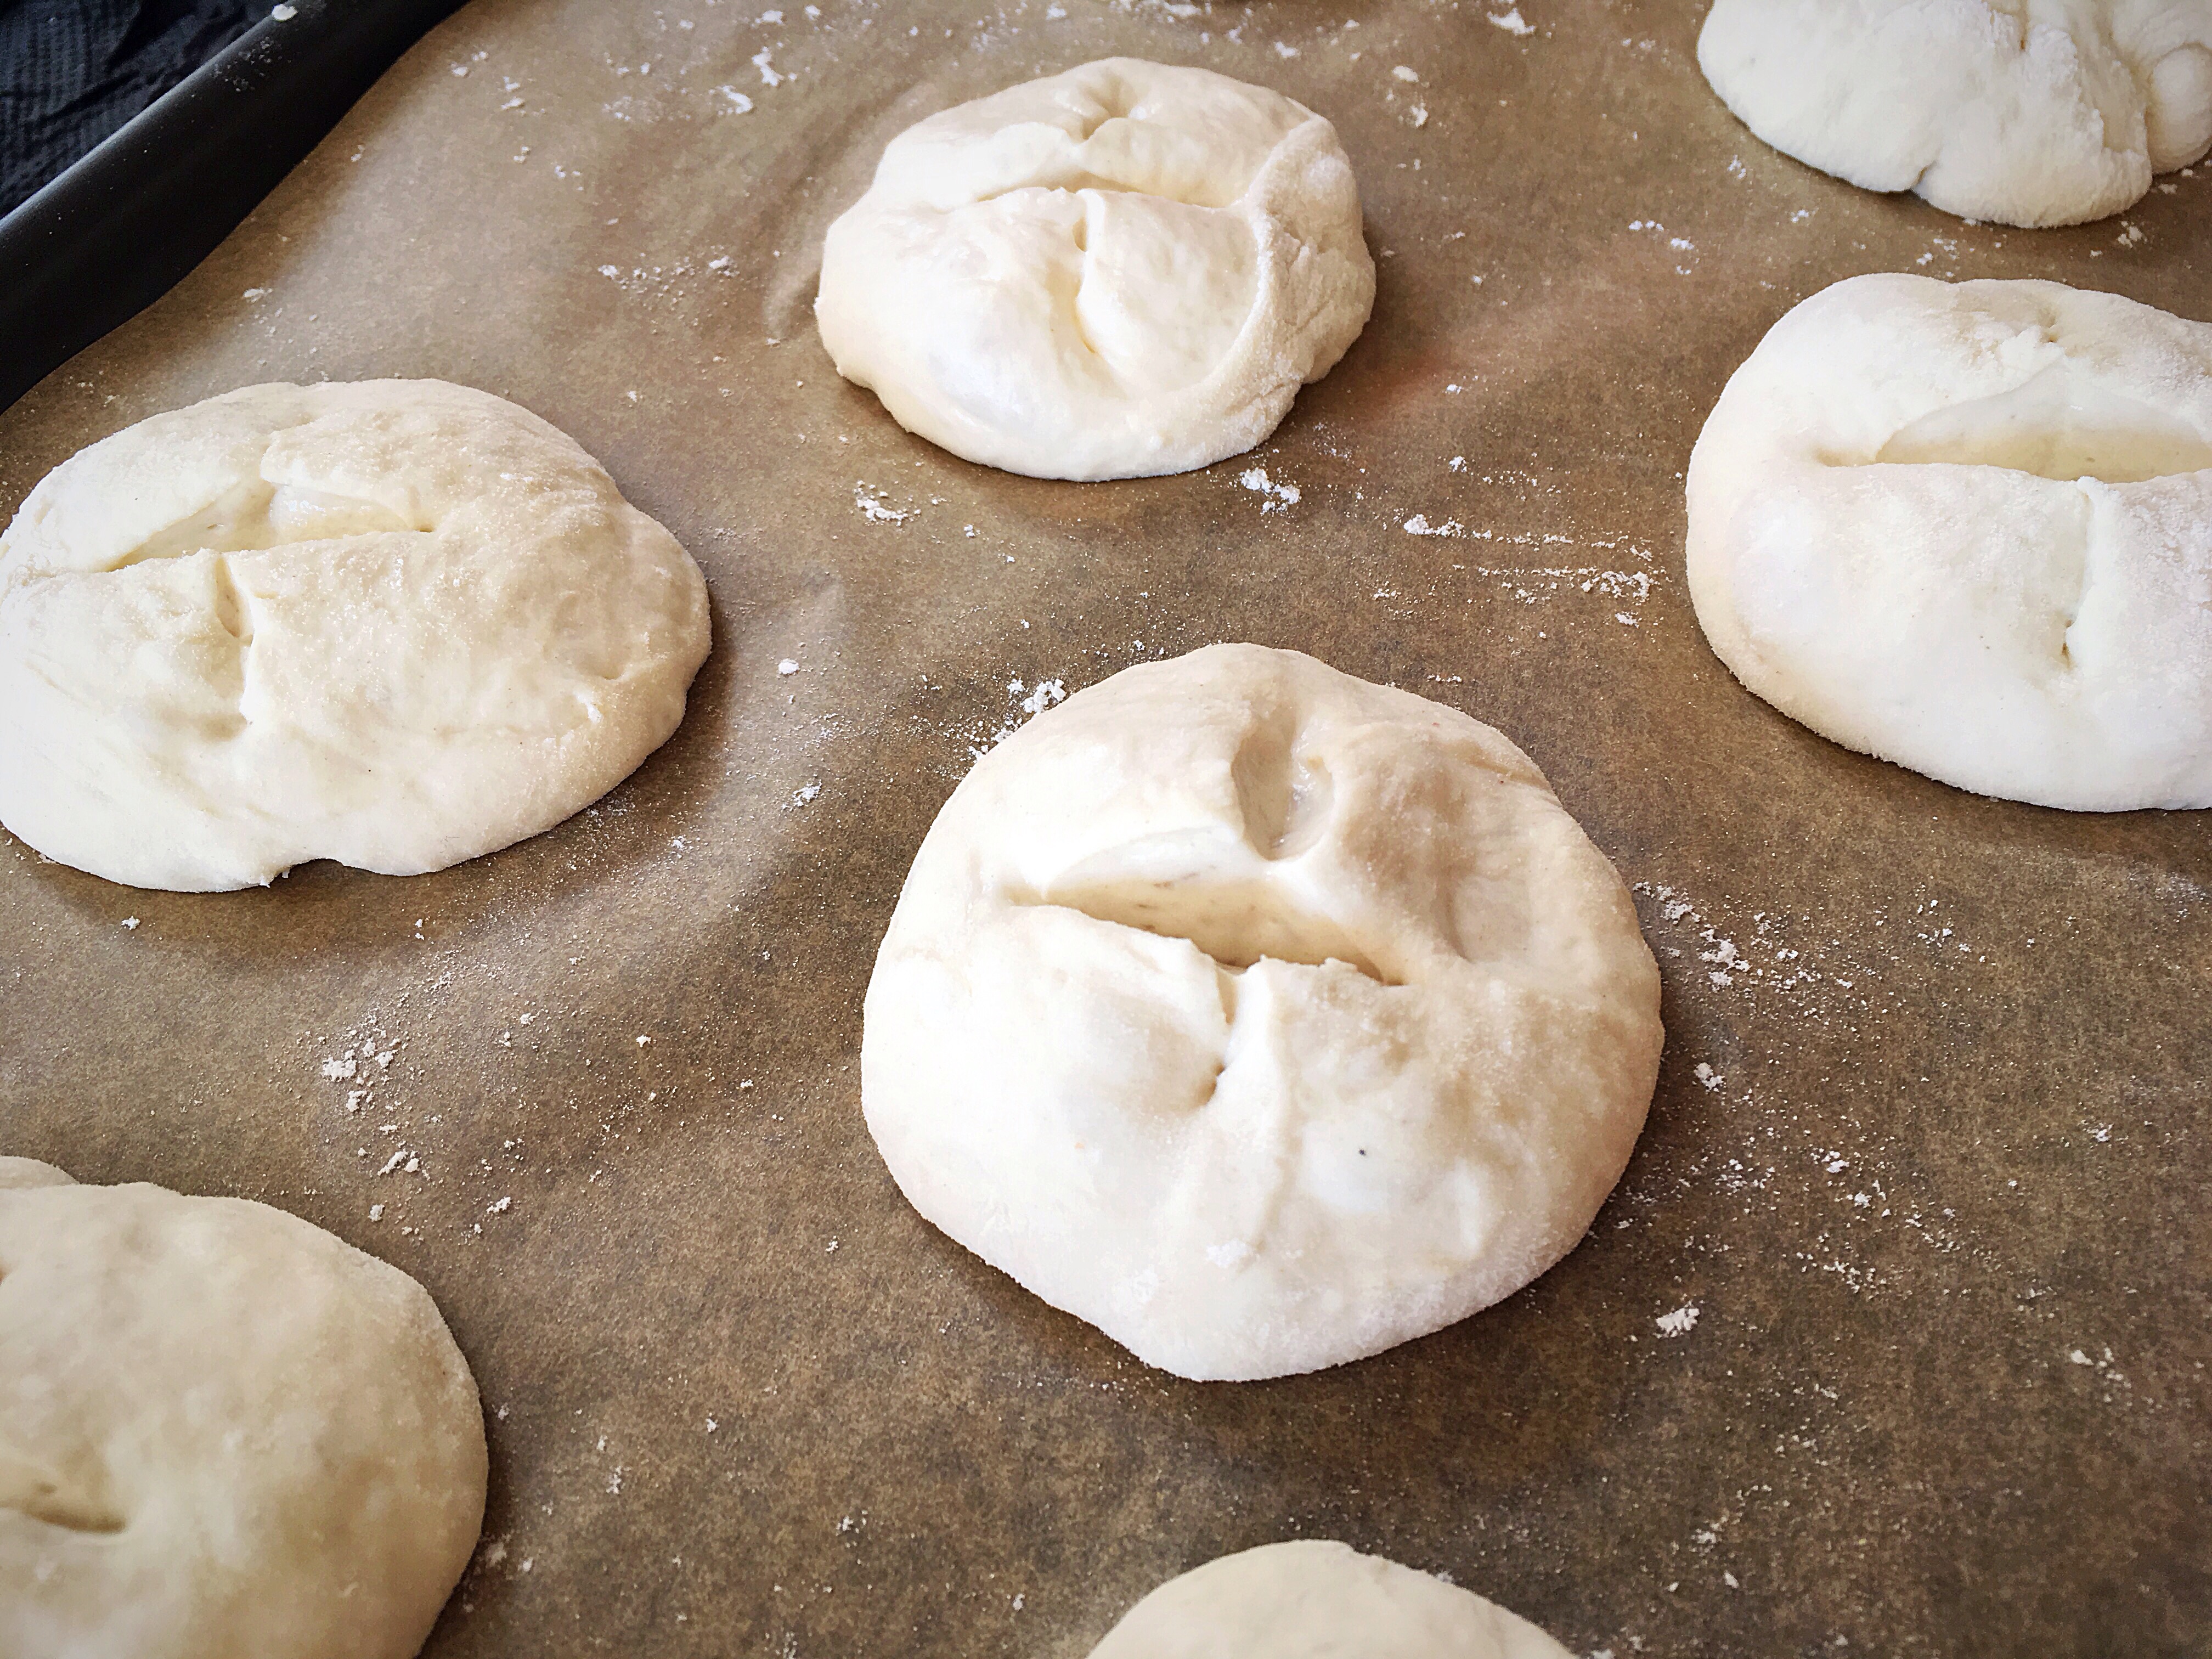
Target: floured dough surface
398	624
1126	270
223	1432
2022	112
1318	1600
1260	1016
1969	529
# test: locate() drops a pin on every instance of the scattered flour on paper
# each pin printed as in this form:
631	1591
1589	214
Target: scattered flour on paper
875	509
1027	702
1849	1143
671	283
1284	494
1529	584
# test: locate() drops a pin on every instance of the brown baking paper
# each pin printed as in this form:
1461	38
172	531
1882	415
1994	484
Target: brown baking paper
1893	1340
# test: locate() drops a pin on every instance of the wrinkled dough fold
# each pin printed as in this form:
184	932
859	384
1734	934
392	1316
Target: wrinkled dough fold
398	624
222	1432
1128	269
1969	529
2021	111
1260	1016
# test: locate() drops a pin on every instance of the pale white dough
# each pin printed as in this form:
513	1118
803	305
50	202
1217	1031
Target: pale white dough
398	623
1126	270
223	1433
1969	529
2022	112
1318	1600
1260	1016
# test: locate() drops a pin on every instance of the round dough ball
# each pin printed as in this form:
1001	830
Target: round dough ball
2048	113
223	1432
1261	1017
1318	1600
1123	271
398	623
1969	529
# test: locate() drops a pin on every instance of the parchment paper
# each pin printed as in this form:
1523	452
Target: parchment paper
1924	1186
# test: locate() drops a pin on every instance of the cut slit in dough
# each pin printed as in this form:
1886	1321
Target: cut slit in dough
2060	423
1261	1017
1126	270
1315	1599
222	1432
2018	111
1969	529
398	624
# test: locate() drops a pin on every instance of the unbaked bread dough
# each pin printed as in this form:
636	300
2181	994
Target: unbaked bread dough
1260	1016
1318	1600
223	1433
398	624
2023	112
18	1172
1126	270
1969	529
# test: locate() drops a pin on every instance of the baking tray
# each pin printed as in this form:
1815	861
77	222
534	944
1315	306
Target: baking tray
1928	1158
117	228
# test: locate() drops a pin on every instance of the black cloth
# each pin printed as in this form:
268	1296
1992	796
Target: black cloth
72	72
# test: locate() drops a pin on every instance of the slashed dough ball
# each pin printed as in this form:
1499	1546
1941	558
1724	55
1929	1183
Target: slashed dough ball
1123	271
2022	112
1260	1016
398	623
223	1432
1315	1599
1969	529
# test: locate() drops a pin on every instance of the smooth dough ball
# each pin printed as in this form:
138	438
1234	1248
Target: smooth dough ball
1319	1600
1123	271
2022	112
223	1432
1969	529
398	624
1261	1017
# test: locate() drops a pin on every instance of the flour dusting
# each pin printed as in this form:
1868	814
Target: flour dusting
876	510
1028	702
1286	494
